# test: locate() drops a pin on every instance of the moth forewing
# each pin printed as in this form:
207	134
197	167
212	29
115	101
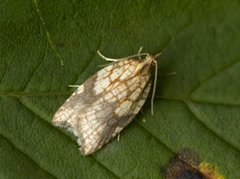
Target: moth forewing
108	101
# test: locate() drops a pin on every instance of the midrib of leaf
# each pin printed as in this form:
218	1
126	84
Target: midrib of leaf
176	98
18	94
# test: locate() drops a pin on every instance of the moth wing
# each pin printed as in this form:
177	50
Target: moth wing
135	108
86	94
81	98
97	129
75	103
90	112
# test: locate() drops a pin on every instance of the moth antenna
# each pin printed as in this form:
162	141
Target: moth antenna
74	86
104	65
106	58
114	60
154	82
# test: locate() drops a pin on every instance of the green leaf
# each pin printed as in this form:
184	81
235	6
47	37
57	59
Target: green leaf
198	108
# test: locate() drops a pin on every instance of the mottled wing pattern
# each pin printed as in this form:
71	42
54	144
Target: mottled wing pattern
96	133
135	108
103	105
74	104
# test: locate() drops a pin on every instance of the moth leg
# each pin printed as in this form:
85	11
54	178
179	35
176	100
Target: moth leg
144	120
74	86
118	137
139	51
170	73
104	65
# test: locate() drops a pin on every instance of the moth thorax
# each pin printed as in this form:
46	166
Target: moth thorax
144	65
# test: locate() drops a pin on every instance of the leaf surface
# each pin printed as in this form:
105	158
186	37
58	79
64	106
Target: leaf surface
198	108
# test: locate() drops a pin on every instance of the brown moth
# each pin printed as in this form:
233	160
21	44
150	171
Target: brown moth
108	101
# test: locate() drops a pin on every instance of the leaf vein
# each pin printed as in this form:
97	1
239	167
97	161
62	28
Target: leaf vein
189	106
227	67
176	98
33	72
67	137
88	64
155	137
49	39
26	155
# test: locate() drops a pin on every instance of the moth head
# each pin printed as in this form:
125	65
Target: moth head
150	59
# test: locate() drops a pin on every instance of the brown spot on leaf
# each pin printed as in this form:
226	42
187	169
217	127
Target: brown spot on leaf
187	165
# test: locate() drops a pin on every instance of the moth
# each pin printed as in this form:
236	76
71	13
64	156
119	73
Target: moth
108	101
